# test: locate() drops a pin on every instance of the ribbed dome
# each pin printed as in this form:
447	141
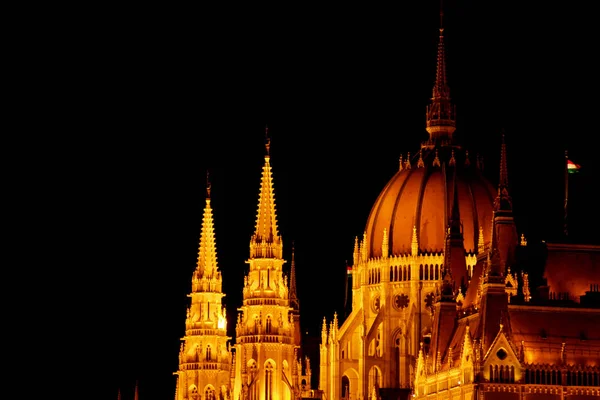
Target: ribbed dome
422	195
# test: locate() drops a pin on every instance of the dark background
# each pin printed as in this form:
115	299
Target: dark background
161	95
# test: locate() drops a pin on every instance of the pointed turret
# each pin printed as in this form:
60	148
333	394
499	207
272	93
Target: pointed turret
266	242
440	114
414	245
445	315
269	327
385	245
204	351
494	301
503	200
505	231
455	257
324	332
206	266
348	291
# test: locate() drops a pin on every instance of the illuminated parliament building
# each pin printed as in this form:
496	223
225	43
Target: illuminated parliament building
442	304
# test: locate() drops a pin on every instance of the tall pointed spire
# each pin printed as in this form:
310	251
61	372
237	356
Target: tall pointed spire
207	251
505	231
266	242
440	114
454	256
136	395
293	296
503	200
203	354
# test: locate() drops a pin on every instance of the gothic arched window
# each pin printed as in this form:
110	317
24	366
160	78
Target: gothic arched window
208	353
268	381
268	325
209	393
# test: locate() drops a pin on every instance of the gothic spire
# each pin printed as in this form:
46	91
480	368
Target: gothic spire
505	232
266	242
293	296
440	113
207	250
503	200
454	256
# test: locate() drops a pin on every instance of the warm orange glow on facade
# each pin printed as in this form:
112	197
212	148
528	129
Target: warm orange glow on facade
441	304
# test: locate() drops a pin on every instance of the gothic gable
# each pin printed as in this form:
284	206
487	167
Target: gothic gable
501	362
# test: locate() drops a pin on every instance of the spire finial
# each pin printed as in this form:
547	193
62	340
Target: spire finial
440	113
267	141
207	249
207	185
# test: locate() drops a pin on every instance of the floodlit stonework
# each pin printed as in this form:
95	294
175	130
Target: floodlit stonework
442	305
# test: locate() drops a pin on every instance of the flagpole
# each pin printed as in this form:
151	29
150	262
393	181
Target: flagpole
566	231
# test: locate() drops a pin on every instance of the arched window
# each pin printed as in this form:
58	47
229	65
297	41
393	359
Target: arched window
256	323
268	325
253	370
374	380
397	360
209	393
345	387
208	353
268	381
194	393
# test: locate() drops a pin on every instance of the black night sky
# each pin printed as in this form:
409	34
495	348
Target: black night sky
169	94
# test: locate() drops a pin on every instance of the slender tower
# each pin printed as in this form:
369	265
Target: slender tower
266	364
204	356
504	223
294	301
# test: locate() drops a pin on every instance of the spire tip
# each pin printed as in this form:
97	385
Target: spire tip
207	184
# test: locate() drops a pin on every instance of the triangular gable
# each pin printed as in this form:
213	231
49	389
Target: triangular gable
501	341
501	362
466	356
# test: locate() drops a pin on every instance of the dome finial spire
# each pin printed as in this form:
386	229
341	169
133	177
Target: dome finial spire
440	113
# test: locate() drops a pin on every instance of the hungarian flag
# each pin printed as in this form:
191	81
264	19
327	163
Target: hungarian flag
349	270
572	167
